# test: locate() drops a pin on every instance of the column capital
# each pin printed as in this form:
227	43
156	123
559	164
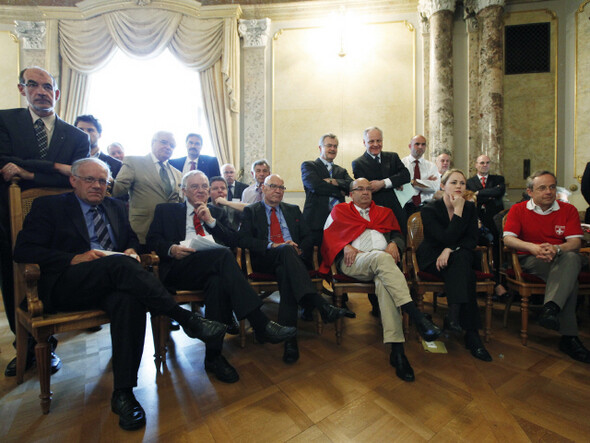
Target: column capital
32	34
475	6
428	7
254	32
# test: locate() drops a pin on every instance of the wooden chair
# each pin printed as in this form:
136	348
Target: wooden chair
33	319
423	282
266	283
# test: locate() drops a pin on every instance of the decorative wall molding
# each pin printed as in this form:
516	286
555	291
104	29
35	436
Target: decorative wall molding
428	7
32	34
254	32
475	6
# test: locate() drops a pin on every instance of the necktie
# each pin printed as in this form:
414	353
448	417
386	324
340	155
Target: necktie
41	135
483	182
416	199
333	200
165	179
101	231
198	226
377	159
276	235
258	194
193	166
230	192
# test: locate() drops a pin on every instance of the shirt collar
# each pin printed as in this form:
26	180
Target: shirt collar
359	209
326	162
482	176
48	121
532	206
155	159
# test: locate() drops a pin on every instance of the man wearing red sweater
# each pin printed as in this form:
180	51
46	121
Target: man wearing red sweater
547	234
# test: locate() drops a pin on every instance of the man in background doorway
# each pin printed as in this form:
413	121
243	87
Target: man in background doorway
91	126
234	187
116	150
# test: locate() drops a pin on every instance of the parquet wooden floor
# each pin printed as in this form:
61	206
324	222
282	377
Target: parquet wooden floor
334	393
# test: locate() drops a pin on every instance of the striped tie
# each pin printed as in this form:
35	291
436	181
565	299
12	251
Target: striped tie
41	135
165	179
101	231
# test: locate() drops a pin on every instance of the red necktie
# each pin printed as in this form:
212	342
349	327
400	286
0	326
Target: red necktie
193	167
416	199
483	182
198	226
276	235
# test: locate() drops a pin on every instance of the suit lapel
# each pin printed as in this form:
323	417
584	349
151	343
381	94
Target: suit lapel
261	215
57	139
74	213
180	221
322	169
151	170
111	214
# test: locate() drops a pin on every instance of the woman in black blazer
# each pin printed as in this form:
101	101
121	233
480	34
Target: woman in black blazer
448	251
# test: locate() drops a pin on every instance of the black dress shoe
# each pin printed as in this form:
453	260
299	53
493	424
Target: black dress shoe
573	347
94	328
477	349
131	414
203	329
275	333
306	314
174	326
548	318
452	326
233	327
291	354
402	366
331	313
222	369
55	365
428	330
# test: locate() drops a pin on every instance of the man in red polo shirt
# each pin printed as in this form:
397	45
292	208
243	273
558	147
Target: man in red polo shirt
547	234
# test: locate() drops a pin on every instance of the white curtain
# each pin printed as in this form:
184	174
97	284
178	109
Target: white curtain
207	46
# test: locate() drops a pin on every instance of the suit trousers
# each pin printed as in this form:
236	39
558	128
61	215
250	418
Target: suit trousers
292	277
119	285
561	279
390	287
460	286
226	289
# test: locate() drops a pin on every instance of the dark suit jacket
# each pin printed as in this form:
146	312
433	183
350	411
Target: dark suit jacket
391	167
318	192
491	196
440	232
113	163
239	188
253	233
18	145
55	231
169	228
207	164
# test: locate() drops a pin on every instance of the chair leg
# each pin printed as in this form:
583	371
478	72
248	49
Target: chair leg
338	327
160	330
43	361
508	307
319	325
489	307
242	333
21	351
524	314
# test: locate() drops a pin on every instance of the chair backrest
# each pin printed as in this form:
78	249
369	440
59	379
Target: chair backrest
415	231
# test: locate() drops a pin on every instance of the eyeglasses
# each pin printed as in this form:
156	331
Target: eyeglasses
92	180
543	188
167	143
330	145
48	87
362	189
204	187
279	187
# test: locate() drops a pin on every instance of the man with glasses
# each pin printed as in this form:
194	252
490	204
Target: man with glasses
149	180
38	148
175	225
253	193
279	241
69	236
234	187
548	236
365	241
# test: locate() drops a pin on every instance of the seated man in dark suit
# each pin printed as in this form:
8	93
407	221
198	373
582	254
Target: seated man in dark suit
365	241
219	199
278	240
67	235
205	163
91	126
385	171
234	187
214	270
38	147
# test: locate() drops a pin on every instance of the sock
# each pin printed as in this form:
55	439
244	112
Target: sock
397	348
412	310
553	306
258	320
179	314
212	353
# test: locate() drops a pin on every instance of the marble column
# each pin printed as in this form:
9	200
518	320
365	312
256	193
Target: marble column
32	36
425	29
490	21
473	136
440	103
256	69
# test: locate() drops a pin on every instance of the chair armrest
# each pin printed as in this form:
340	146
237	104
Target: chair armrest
515	264
485	263
249	269
31	274
238	252
316	260
151	262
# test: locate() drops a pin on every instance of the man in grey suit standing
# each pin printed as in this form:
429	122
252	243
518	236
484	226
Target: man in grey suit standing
149	180
39	148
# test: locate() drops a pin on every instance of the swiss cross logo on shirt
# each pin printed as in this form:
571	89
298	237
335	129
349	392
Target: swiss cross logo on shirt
559	230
